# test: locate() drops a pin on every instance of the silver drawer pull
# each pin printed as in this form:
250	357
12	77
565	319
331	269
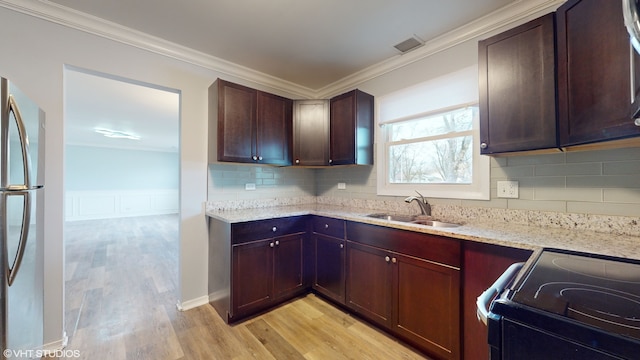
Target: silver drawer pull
274	229
326	226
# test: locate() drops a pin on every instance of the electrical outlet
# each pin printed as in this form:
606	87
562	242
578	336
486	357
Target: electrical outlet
250	186
342	186
508	189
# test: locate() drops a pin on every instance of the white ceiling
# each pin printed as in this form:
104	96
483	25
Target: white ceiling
309	43
95	101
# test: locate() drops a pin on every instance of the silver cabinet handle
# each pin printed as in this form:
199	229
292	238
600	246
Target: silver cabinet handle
326	226
483	146
277	242
341	246
271	244
330	161
297	161
394	260
255	158
387	259
274	229
259	158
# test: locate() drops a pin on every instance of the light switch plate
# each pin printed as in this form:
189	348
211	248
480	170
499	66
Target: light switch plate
342	186
508	189
250	186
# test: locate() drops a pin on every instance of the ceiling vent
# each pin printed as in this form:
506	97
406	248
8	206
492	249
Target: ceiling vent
409	44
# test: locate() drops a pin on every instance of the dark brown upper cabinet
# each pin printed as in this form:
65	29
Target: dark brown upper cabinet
517	88
311	133
252	126
351	129
598	80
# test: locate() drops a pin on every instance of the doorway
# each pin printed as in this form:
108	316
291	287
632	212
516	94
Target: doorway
121	207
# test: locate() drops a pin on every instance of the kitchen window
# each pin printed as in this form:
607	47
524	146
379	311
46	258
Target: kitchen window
428	140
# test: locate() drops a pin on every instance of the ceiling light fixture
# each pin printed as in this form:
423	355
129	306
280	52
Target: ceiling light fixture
116	134
411	43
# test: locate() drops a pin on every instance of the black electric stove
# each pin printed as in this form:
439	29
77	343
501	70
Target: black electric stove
569	305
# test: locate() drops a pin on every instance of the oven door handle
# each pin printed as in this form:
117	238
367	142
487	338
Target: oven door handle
484	300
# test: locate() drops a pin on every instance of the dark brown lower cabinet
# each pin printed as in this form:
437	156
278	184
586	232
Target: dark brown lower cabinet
265	272
252	277
427	305
369	282
329	260
421	288
288	266
408	283
482	265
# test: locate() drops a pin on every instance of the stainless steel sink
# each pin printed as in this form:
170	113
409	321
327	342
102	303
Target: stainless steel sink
435	223
394	217
414	219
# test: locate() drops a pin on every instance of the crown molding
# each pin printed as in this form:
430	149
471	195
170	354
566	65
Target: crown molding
70	18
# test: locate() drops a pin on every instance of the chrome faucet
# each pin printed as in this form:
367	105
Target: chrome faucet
425	207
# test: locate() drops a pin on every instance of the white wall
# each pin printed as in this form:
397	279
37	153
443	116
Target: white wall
103	183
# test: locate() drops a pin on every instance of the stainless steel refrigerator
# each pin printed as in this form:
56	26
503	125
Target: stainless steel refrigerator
21	223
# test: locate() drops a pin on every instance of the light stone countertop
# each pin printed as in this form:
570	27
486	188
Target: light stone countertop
498	233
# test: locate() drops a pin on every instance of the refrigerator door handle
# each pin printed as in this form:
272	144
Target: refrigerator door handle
24	141
24	235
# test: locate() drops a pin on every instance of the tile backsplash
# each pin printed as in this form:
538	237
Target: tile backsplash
581	190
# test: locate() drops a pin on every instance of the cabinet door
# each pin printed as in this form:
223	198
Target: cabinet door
427	305
311	133
274	129
236	122
329	267
351	129
369	277
595	86
252	276
482	265
518	88
288	265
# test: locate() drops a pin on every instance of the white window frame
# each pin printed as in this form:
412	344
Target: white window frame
480	188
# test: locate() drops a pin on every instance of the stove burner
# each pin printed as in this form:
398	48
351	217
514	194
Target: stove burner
600	306
604	270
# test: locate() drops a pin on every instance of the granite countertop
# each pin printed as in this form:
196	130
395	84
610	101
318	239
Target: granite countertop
494	232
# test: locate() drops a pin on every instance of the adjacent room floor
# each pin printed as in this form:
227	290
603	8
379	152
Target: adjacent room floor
121	294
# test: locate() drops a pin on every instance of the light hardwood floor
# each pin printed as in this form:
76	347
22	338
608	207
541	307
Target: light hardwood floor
121	293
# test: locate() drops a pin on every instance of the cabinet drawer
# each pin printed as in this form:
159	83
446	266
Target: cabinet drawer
263	229
425	246
328	226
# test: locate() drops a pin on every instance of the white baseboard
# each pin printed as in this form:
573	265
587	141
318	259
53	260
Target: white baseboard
193	303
